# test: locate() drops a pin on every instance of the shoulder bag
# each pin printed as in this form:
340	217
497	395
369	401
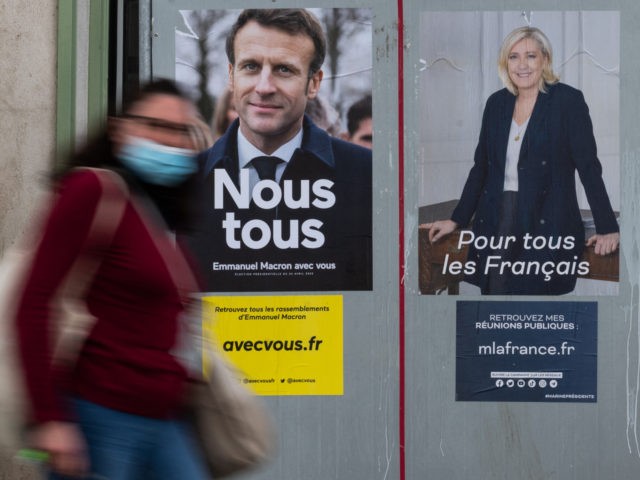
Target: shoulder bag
234	429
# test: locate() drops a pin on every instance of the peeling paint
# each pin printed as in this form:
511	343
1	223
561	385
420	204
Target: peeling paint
629	258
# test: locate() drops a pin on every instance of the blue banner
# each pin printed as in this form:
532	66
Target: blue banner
526	351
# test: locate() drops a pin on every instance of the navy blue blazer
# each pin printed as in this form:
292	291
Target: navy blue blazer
342	262
558	141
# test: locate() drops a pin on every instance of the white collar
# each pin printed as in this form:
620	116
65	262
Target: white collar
247	151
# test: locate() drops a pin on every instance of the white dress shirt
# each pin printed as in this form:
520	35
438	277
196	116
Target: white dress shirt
247	152
513	155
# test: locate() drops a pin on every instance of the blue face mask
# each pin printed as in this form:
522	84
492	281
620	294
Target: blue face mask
158	164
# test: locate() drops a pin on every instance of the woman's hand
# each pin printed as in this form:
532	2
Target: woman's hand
440	228
66	446
604	243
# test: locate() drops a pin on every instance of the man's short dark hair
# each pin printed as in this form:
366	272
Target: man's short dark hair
294	21
359	111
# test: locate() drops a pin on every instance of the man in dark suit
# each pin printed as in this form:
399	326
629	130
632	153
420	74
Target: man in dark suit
286	206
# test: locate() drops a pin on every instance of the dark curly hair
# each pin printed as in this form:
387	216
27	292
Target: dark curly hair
175	203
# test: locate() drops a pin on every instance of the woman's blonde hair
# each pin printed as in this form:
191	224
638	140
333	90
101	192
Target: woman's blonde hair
548	75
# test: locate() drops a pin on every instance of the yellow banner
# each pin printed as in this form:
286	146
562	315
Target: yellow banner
286	345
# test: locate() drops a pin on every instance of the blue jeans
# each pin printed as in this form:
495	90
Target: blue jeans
123	446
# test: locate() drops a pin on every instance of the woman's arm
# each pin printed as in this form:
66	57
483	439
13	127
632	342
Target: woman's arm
473	186
584	155
65	445
62	240
476	179
440	228
604	244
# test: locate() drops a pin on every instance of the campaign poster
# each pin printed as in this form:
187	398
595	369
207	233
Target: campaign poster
526	198
280	345
526	351
307	226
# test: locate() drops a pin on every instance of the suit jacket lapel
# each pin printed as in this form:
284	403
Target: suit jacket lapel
536	123
504	125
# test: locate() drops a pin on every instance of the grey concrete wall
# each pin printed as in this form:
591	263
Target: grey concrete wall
27	125
27	107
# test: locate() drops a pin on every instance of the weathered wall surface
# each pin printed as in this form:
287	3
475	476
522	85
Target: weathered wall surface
27	107
27	123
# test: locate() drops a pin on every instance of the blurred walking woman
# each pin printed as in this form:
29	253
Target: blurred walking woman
535	133
114	414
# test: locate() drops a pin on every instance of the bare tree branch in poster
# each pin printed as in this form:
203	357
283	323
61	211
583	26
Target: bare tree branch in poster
340	24
201	23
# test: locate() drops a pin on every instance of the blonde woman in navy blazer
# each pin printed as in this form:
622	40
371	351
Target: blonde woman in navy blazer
536	132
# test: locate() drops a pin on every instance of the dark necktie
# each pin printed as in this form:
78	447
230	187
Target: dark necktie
266	167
